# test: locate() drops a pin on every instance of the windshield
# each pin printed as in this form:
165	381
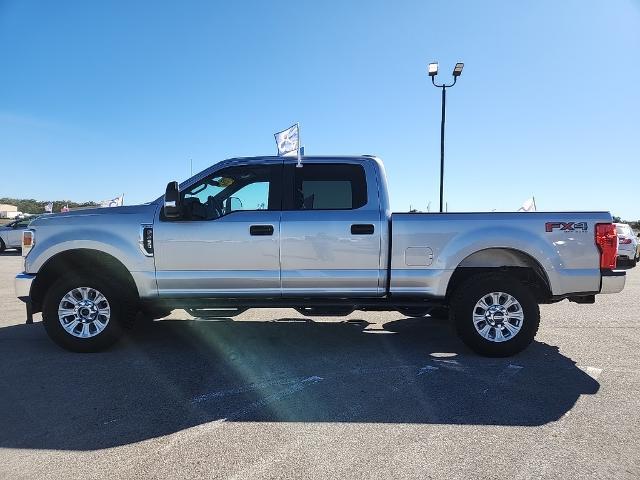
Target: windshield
23	223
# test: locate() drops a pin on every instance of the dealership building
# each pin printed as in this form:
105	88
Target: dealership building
8	211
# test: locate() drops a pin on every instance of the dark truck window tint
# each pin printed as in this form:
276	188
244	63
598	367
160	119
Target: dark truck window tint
328	187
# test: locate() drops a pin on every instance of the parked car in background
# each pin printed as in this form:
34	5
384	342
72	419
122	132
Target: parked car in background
11	233
627	244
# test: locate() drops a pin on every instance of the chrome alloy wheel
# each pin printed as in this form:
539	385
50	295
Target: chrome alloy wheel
498	317
84	312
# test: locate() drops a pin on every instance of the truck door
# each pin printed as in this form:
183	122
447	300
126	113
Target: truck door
330	230
227	242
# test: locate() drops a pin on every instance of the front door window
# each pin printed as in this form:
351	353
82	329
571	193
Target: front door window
241	188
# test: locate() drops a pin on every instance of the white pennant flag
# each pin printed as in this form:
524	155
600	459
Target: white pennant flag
529	205
114	202
288	140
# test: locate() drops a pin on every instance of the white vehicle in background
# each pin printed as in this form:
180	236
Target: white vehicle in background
627	244
11	233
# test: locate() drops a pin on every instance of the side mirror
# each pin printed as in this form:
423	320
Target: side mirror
232	204
172	201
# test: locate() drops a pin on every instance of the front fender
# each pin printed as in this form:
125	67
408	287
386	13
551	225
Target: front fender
125	251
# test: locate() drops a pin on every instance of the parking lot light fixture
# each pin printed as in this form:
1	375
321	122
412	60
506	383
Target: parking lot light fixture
433	71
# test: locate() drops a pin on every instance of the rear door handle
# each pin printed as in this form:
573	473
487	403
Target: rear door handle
259	230
362	229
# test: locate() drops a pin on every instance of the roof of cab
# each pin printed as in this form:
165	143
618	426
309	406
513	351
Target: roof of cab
274	159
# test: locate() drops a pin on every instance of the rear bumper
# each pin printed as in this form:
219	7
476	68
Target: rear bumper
22	284
627	254
613	281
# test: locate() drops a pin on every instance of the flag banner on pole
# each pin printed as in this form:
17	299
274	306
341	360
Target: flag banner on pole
288	141
529	205
114	202
48	207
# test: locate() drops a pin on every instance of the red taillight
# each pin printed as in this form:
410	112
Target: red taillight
607	242
625	241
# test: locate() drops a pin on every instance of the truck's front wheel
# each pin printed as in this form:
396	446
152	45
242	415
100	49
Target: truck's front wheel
84	315
495	314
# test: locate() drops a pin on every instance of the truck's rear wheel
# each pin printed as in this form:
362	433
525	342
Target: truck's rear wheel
83	314
495	314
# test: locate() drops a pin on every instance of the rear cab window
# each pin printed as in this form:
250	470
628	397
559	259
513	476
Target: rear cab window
326	186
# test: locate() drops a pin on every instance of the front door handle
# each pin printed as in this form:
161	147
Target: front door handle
362	229
259	230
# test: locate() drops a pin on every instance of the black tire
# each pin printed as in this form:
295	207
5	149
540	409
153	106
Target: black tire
122	314
633	263
2	246
463	303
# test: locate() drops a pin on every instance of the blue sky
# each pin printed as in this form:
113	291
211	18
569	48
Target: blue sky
101	98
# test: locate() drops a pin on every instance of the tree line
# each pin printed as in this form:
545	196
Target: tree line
29	205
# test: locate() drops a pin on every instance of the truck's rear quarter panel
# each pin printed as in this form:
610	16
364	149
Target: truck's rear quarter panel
427	248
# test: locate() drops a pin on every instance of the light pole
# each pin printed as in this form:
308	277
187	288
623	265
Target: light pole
433	71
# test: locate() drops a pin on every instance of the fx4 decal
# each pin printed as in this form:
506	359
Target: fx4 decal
566	226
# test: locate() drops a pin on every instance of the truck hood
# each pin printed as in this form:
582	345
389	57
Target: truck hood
76	216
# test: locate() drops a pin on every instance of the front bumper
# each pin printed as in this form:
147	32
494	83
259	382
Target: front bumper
613	281
22	284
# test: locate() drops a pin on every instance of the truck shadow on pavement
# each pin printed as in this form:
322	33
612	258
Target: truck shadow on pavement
177	374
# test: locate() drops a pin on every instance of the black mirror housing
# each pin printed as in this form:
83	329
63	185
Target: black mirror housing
172	201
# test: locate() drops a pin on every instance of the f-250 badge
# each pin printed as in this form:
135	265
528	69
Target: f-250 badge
566	226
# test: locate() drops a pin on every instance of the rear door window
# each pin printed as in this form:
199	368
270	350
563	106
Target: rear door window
327	186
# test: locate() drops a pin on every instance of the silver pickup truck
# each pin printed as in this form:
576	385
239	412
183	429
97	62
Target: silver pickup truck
261	232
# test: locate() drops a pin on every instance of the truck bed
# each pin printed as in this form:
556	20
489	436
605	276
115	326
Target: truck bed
427	247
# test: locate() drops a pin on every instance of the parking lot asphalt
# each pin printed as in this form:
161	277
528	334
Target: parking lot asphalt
272	394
